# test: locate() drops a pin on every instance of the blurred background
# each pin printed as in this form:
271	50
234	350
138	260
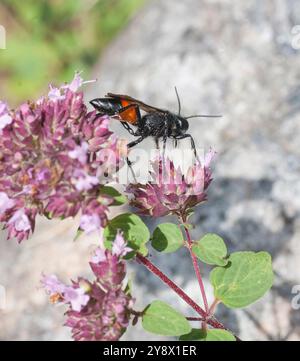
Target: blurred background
240	59
49	40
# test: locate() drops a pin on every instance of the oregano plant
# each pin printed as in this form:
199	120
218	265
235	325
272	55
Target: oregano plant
57	160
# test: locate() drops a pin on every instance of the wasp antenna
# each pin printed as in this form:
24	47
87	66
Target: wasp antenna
178	99
203	116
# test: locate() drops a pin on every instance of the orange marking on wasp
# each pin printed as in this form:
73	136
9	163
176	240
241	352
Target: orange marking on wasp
128	115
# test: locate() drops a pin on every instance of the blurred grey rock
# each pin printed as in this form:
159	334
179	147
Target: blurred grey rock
228	57
233	58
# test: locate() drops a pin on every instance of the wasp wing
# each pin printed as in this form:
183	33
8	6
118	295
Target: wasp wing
126	98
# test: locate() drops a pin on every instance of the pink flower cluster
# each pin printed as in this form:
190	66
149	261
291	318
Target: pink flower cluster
53	156
170	191
98	310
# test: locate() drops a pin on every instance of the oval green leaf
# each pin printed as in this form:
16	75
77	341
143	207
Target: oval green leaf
219	335
246	278
119	198
211	249
195	335
167	238
162	319
209	335
134	230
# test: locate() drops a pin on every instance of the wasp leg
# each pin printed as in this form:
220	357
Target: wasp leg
124	123
192	143
165	137
128	128
135	142
130	145
129	163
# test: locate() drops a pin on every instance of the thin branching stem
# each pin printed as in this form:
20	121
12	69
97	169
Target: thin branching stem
211	320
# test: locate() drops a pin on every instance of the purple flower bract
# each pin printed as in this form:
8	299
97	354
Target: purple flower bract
170	191
51	162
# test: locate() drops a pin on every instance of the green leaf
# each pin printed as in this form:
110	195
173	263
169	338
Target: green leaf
211	249
119	198
209	335
187	225
78	234
134	231
167	238
162	319
195	335
143	250
48	215
219	335
128	288
246	278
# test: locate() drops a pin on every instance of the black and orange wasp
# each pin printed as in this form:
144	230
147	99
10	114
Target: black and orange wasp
156	122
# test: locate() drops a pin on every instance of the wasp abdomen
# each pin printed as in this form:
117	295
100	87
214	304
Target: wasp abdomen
106	105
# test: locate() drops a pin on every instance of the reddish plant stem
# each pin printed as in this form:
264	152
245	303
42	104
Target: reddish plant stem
213	306
212	321
145	261
197	270
195	319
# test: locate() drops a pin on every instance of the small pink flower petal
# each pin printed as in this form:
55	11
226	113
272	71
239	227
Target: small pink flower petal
52	285
80	152
55	94
20	221
90	223
119	247
99	256
5	120
76	297
5	202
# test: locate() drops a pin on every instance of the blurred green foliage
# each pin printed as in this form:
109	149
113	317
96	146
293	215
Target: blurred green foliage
47	40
